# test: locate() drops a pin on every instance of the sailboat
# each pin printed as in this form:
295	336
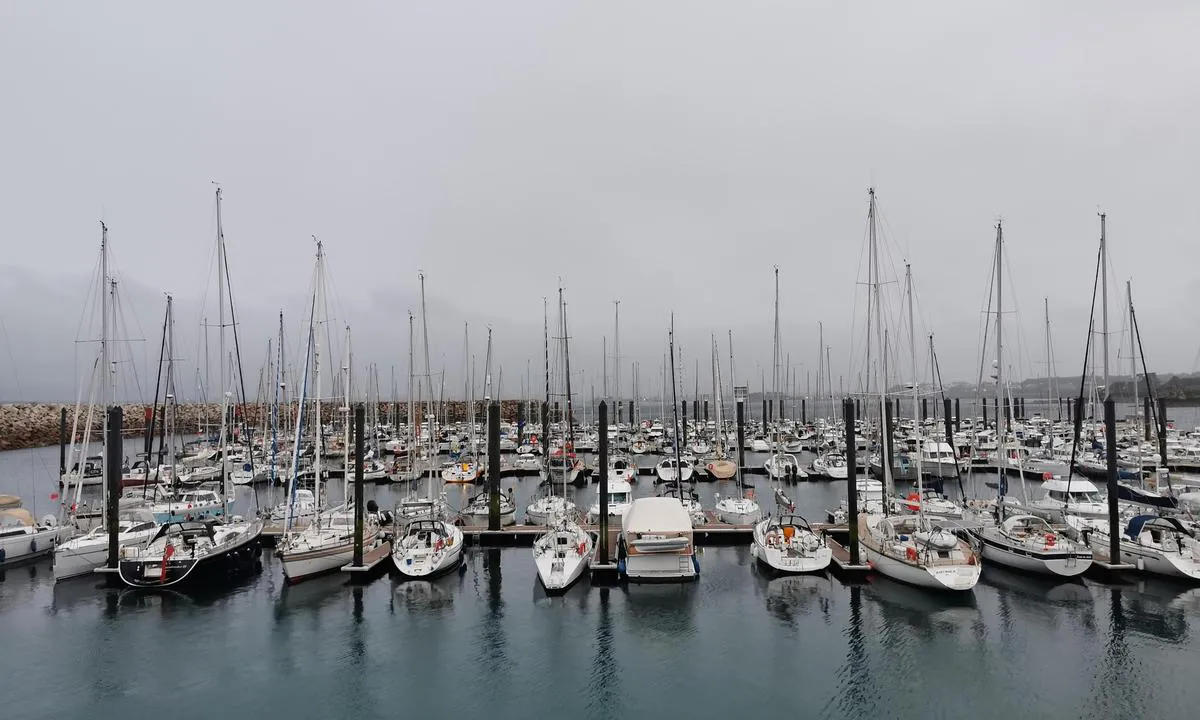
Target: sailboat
202	550
909	548
675	471
562	554
327	543
720	467
1023	541
82	555
787	543
545	508
467	468
742	508
428	544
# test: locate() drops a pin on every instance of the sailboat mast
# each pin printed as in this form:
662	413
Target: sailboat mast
567	362
346	420
675	409
1132	350
412	424
873	263
912	342
222	361
1104	299
429	381
1050	371
275	405
1000	451
319	429
617	357
105	363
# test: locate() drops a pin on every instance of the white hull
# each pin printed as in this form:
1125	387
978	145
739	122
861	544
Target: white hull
959	578
507	517
560	564
426	562
661	567
326	555
778	561
1063	565
82	556
18	548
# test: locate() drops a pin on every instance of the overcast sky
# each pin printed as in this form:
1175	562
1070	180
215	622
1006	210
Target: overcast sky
667	154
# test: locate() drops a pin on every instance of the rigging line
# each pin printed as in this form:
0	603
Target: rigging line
1083	375
1160	424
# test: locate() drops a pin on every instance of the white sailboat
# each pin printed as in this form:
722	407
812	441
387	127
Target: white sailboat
788	544
427	548
327	543
909	548
1154	545
561	555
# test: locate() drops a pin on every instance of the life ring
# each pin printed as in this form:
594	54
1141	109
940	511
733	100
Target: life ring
913	501
910	553
1051	539
772	539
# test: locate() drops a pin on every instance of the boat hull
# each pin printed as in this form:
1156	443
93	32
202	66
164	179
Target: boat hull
958	578
416	566
1058	564
305	564
231	563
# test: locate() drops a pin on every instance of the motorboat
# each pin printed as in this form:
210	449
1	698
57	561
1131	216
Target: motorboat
655	543
192	553
1029	543
83	554
910	549
620	497
783	466
1062	497
787	543
938	460
830	465
197	504
22	538
562	554
427	548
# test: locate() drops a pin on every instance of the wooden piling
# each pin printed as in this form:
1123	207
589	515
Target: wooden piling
957	415
602	549
112	478
62	446
852	480
741	435
1110	451
1145	416
493	473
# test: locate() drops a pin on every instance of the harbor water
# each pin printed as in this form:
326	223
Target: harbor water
487	642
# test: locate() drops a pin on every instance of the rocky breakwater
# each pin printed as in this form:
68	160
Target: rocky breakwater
27	425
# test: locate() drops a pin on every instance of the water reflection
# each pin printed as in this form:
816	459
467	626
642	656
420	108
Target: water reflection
857	695
788	596
928	611
423	596
1160	608
604	684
